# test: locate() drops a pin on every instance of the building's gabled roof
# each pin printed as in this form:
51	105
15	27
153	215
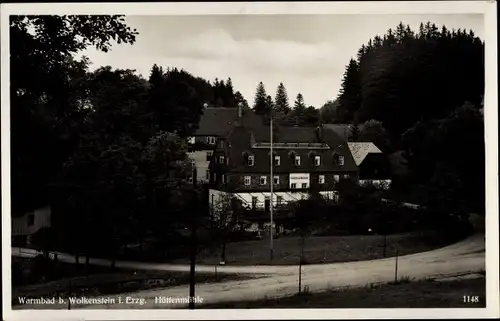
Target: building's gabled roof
240	146
360	150
343	130
218	121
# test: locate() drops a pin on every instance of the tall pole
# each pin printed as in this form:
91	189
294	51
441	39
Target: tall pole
271	182
192	270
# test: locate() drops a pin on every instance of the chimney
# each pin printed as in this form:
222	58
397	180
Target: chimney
319	133
240	113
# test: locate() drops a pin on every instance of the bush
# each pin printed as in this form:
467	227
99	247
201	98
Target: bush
17	273
42	268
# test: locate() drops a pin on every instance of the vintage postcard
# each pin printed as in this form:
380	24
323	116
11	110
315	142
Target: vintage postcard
244	160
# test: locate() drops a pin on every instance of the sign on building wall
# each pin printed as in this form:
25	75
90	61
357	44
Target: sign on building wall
297	180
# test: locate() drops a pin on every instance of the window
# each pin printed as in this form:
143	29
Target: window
277	161
209	156
304	185
207	174
263	180
221	159
297	160
211	140
215	177
221	143
294	185
336	178
341	160
31	219
276	180
317	160
251	160
279	200
346	176
247	180
223	179
321	179
254	201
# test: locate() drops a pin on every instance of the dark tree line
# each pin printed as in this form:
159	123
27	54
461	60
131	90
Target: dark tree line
283	113
406	76
106	149
421	92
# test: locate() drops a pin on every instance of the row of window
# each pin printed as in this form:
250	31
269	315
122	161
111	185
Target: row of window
277	160
276	180
279	200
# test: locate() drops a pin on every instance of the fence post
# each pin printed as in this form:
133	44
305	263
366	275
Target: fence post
385	244
396	270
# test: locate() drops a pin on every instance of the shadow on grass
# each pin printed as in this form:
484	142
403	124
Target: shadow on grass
99	281
403	294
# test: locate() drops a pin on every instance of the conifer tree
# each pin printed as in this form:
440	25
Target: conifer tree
299	105
260	105
281	100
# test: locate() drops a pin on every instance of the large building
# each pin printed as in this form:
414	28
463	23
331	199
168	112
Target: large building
215	123
303	158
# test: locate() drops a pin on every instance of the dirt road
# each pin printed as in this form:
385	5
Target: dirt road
460	258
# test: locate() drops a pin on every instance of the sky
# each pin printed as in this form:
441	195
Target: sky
308	53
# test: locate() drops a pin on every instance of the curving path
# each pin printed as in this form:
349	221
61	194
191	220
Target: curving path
460	258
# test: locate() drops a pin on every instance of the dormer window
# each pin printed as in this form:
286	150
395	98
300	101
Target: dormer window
317	160
297	161
277	161
341	160
251	160
263	180
210	140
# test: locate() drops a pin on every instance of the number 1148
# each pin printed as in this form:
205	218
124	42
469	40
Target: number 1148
471	299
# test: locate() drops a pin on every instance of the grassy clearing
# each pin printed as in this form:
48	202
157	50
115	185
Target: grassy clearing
404	294
98	281
322	249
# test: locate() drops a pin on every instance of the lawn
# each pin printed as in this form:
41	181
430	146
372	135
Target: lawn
97	281
322	249
420	294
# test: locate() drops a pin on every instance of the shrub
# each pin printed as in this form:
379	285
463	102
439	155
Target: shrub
17	273
42	268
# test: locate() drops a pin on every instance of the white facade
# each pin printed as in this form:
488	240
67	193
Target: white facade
217	198
378	183
31	222
297	180
202	164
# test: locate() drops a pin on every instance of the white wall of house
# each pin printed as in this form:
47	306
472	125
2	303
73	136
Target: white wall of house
201	163
216	197
39	218
379	183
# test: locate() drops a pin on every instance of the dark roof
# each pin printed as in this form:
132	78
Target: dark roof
240	145
288	134
343	130
218	121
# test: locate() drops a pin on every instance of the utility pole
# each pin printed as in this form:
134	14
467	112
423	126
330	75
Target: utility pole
271	182
194	214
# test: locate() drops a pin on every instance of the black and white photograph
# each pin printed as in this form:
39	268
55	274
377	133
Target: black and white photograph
260	156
